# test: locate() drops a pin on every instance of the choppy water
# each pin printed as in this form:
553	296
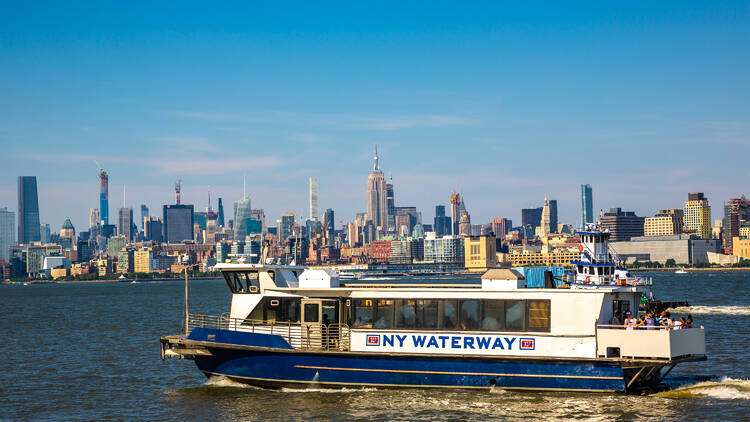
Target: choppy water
91	352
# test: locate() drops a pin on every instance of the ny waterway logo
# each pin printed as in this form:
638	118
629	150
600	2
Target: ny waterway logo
443	342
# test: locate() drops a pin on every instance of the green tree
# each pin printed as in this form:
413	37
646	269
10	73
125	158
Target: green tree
670	263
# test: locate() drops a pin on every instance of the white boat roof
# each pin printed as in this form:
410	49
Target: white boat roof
233	266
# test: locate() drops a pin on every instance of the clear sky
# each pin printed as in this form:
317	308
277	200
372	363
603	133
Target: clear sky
645	101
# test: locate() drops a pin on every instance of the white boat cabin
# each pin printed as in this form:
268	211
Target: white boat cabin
311	310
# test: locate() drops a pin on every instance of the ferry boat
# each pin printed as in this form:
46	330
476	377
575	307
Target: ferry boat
289	326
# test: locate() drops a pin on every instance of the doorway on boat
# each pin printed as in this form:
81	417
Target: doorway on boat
320	321
619	307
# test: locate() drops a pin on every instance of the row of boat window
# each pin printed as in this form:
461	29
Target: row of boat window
596	270
452	314
422	314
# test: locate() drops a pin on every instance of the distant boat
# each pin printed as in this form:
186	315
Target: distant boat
681	271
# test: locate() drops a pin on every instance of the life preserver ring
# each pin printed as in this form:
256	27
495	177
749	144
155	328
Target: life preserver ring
580	248
588	279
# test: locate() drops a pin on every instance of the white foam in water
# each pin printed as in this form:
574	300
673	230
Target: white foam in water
705	309
219	381
726	389
327	390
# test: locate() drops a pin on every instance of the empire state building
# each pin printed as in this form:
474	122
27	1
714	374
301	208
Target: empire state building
377	206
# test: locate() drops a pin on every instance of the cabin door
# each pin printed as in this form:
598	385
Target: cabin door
312	332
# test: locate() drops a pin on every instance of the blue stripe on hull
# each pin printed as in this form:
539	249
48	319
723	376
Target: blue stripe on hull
304	368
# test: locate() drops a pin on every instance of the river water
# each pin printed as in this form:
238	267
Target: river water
91	352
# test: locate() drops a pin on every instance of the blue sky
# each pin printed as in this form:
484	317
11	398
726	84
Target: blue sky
646	101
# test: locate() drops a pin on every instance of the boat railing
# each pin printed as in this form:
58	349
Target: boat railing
649	342
317	336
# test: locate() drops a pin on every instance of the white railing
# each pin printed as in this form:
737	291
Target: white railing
298	335
649	342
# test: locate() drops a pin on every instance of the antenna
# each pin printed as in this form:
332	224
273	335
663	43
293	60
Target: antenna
123	196
244	190
177	189
209	199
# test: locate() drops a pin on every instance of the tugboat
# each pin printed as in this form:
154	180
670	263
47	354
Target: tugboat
299	327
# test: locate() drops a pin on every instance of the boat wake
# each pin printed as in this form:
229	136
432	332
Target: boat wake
726	389
220	381
706	309
327	390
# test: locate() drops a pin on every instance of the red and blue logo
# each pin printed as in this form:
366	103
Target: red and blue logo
373	340
527	343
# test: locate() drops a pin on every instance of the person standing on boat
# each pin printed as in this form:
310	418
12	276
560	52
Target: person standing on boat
629	320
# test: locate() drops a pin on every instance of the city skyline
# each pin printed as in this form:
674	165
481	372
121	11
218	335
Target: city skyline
506	107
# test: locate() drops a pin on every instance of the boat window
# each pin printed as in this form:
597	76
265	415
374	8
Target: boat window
311	312
494	315
469	315
329	309
362	312
448	314
580	269
539	315
406	314
515	315
275	309
383	313
251	279
427	314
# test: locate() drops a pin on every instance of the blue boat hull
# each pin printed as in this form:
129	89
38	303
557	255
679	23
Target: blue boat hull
269	362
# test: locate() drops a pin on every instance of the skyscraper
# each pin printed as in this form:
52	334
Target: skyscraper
531	217
442	222
144	216
286	226
587	205
45	234
698	215
390	205
103	196
125	222
220	216
553	215
736	214
328	226
7	232
242	211
177	223
28	210
313	193
622	224
93	217
377	205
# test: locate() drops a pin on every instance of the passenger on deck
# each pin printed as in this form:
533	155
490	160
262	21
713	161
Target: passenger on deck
630	322
615	320
688	321
679	324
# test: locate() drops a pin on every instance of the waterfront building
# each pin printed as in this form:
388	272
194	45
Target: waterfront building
93	218
400	252
313	198
285	226
377	204
126	260
178	223
28	210
115	244
445	250
7	233
683	248
125	222
45	234
103	196
557	257
698	215
741	247
480	253
587	205
143	258
665	223
622	224
442	222
380	250
736	214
